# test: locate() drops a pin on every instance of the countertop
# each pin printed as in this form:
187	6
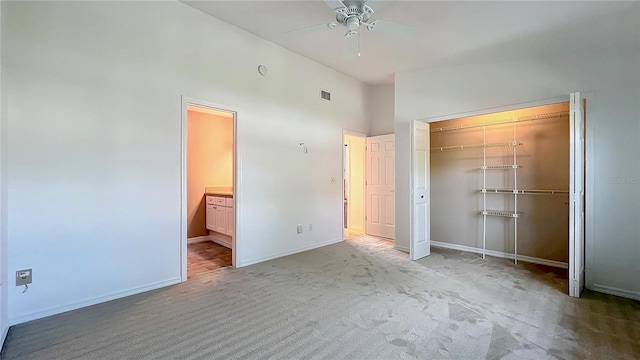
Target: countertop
225	191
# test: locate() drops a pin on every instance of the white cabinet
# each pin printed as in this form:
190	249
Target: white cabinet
220	216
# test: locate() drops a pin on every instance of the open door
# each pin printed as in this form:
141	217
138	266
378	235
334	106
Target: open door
380	186
420	244
576	195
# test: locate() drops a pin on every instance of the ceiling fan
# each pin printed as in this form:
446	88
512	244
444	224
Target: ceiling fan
356	16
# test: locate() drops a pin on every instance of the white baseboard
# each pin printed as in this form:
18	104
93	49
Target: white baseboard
221	239
501	254
289	252
198	239
401	248
93	301
615	291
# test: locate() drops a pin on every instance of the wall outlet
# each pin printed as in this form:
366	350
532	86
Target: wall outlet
310	227
300	229
23	277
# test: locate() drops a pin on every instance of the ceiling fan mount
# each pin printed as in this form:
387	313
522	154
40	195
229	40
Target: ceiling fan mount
353	15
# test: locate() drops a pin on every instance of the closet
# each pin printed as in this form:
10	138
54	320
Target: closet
500	184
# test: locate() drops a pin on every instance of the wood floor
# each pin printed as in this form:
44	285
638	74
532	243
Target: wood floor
206	256
349	234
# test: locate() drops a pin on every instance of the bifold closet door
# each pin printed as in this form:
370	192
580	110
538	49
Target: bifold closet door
576	195
420	244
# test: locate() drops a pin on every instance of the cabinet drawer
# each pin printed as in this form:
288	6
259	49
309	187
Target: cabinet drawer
219	200
211	200
228	202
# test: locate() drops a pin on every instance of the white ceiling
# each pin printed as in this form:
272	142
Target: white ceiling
449	32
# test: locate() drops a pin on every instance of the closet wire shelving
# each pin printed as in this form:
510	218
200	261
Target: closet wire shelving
515	214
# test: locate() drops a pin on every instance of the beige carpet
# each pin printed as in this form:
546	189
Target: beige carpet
359	299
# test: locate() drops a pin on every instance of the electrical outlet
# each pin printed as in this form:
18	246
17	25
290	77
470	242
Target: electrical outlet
300	229
24	277
310	227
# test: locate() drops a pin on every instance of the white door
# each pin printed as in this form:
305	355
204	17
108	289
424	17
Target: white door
211	218
576	193
420	245
380	184
221	219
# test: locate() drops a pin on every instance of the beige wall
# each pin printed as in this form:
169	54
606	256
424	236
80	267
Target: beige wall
209	163
355	207
456	179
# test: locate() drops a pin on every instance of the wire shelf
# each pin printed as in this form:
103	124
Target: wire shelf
475	146
524	192
500	167
501	213
552	115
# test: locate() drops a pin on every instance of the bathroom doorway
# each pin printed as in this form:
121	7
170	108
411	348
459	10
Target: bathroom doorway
209	206
354	183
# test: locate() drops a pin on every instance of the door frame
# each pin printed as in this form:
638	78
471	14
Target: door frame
186	101
364	167
589	173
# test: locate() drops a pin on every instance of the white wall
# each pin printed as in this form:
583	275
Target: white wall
613	129
93	106
381	109
4	323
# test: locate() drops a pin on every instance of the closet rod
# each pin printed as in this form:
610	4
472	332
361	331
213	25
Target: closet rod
504	121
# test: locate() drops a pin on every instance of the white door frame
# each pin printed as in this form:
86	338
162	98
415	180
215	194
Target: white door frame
364	166
186	101
589	151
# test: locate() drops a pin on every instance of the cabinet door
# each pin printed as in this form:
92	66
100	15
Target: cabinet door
211	217
221	221
230	222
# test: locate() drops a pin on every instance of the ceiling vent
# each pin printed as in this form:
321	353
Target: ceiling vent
325	95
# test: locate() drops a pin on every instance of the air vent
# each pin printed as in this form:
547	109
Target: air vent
325	95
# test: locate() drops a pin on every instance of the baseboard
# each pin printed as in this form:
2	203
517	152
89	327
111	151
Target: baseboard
401	248
615	291
221	239
290	252
501	254
198	239
116	295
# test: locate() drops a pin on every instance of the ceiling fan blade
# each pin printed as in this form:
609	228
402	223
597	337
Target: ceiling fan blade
392	29
313	28
377	4
351	46
335	4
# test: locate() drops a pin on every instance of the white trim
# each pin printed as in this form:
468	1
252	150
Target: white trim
93	301
291	252
615	291
401	248
237	179
221	239
500	254
198	239
3	337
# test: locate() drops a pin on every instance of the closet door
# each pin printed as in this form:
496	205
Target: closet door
420	245
576	193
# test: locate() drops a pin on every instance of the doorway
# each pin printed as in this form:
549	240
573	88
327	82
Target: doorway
508	183
209	190
353	181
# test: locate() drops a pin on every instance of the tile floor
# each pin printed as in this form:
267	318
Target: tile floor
206	256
